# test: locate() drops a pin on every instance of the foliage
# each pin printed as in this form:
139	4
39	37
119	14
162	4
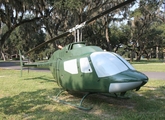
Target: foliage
49	18
54	17
144	33
15	13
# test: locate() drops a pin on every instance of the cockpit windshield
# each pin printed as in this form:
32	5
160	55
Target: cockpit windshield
107	64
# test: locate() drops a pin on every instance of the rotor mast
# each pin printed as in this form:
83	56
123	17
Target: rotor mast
78	35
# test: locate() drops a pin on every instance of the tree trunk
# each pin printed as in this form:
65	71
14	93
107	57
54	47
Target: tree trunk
139	54
157	52
148	54
3	56
138	57
107	38
132	55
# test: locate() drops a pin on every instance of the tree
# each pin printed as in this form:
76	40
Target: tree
101	29
56	17
23	38
13	12
144	18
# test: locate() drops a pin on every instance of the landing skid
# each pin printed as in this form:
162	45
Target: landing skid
80	106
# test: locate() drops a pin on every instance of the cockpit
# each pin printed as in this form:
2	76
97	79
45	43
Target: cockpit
108	64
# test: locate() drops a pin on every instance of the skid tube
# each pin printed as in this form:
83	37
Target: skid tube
79	106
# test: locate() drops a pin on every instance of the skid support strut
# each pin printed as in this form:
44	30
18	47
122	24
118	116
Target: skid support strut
80	106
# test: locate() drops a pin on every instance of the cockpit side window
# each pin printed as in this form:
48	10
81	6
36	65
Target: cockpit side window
70	66
85	65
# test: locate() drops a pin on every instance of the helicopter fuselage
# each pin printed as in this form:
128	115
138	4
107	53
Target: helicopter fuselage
78	67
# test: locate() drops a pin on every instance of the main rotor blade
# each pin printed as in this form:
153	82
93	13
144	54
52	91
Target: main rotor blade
81	25
109	10
49	41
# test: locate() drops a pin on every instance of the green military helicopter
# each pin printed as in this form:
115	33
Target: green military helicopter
89	69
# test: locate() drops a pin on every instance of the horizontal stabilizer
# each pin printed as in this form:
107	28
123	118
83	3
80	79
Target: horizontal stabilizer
35	64
38	64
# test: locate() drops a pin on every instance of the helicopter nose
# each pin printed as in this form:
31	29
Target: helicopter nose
128	80
138	76
132	75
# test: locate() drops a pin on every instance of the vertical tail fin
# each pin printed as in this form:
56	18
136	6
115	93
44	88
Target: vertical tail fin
21	63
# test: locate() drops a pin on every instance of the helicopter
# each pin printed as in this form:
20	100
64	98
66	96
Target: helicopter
89	69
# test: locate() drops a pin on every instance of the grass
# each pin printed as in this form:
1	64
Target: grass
29	98
152	65
155	67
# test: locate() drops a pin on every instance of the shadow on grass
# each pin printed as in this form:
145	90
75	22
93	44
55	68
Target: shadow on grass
138	104
37	105
33	103
42	78
29	104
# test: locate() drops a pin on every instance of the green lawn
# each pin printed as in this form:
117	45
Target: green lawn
155	67
29	98
152	65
